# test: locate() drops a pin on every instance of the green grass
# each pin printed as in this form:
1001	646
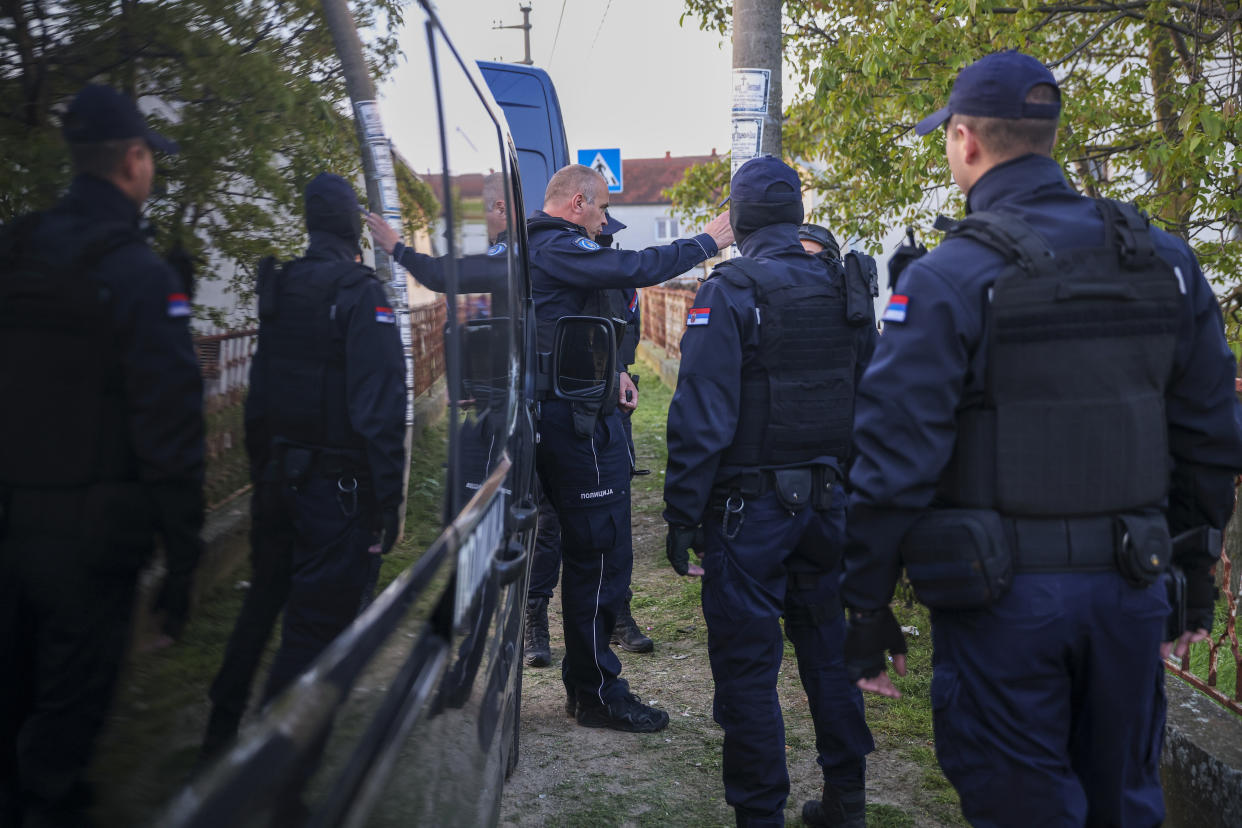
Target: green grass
1227	668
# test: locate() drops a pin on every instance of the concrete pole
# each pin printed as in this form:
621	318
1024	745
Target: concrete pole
374	145
757	45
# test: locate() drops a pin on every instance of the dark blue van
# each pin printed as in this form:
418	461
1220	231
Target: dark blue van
411	717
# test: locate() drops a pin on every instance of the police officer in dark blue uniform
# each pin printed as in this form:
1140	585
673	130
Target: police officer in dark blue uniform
759	435
545	569
325	425
103	448
1051	399
583	459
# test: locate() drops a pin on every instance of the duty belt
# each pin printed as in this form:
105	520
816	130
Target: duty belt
756	482
1063	545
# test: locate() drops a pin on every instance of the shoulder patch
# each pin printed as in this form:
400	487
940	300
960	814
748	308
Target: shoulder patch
384	315
586	244
496	249
896	310
699	316
178	304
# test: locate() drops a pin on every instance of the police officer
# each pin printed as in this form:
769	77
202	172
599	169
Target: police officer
103	448
817	239
759	435
325	425
582	458
1054	384
546	563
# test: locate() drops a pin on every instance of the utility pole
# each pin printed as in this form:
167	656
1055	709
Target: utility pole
756	79
525	27
381	181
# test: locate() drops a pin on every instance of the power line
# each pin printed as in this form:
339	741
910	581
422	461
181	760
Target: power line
557	36
601	27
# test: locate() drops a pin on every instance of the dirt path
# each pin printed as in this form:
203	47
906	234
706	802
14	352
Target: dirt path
574	776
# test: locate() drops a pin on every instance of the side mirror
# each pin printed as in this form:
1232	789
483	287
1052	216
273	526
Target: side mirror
584	359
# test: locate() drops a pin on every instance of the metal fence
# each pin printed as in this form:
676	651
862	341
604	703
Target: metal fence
224	359
664	312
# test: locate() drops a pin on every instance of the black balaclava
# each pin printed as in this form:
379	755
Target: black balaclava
332	207
764	191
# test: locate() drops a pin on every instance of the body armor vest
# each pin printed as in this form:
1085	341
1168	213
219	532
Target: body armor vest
797	400
302	345
64	411
1080	349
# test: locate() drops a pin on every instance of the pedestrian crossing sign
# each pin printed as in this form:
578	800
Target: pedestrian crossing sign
606	162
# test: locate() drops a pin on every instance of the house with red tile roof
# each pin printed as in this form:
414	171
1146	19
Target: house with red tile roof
640	205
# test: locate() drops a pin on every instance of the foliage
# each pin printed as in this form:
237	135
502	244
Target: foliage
251	89
419	206
1152	113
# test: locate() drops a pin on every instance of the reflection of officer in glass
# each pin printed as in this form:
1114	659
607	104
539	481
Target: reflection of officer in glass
103	447
583	459
759	435
325	425
1054	382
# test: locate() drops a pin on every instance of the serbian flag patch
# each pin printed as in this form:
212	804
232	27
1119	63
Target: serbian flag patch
896	310
178	304
634	301
698	316
384	315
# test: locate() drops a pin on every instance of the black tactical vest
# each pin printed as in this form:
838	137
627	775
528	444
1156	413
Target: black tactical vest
797	400
63	414
1080	349
302	345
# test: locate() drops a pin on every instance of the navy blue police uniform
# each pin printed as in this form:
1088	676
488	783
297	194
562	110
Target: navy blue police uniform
325	425
103	432
586	476
759	435
1040	420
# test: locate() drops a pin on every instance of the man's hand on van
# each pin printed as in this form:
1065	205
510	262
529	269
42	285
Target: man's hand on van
385	237
720	230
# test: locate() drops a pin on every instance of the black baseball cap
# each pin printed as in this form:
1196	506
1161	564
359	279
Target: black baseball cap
996	86
100	113
611	225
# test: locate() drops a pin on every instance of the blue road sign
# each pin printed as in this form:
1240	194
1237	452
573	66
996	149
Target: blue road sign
607	162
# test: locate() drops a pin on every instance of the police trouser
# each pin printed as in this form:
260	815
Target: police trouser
776	564
330	569
272	541
1049	705
587	481
66	602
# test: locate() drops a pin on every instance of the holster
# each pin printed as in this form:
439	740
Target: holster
859	273
958	559
1175	624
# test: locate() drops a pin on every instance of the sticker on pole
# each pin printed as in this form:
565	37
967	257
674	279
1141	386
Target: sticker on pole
369	116
751	88
606	162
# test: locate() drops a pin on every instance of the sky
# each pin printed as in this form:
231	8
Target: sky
627	74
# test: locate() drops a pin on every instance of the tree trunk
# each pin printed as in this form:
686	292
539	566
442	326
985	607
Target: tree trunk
757	45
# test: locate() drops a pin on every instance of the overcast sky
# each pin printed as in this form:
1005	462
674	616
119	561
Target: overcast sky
627	74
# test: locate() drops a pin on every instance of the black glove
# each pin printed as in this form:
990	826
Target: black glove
179	510
870	633
902	257
680	540
386	528
1196	552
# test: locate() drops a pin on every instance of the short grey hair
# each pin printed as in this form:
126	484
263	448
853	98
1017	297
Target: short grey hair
571	180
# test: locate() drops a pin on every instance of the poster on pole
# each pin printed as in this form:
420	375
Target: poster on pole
381	155
747	140
751	88
368	115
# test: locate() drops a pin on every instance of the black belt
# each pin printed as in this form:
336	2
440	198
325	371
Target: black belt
1062	545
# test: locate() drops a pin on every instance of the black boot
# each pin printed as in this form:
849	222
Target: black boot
838	809
628	636
535	648
627	714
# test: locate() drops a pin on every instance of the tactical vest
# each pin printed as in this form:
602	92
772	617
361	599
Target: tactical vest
63	415
797	394
302	345
1080	348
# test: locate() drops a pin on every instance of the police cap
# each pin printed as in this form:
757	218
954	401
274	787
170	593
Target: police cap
332	206
100	113
996	86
